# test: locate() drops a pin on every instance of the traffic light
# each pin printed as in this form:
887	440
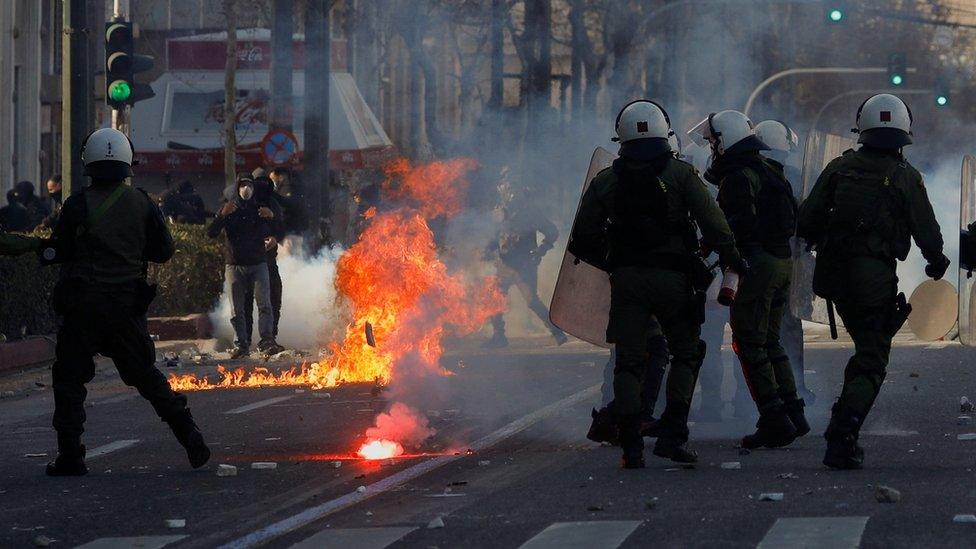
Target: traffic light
121	65
941	93
835	11
897	67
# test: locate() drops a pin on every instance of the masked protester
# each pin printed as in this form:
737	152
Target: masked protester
249	234
758	202
104	238
37	210
783	143
54	192
264	198
637	220
861	215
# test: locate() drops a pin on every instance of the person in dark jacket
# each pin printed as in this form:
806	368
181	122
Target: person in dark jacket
184	205
104	238
13	216
249	234
288	196
264	196
37	210
54	192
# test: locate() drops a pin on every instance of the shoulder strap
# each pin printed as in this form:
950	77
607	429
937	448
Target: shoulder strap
97	215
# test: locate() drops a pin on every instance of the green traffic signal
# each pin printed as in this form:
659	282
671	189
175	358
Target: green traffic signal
119	91
835	15
897	79
942	100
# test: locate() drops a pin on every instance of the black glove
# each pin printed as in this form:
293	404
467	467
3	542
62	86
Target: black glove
937	269
740	267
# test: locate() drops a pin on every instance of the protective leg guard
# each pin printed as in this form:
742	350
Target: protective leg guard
843	451
773	430
190	437
631	442
603	429
794	408
70	461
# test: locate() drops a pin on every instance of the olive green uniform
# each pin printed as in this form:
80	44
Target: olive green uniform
646	222
15	244
758	202
861	214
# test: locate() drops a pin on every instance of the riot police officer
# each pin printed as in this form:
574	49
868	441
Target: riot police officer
104	238
759	205
861	215
637	221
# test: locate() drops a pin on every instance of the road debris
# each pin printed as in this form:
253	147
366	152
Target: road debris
37	455
964	518
318	394
299	391
595	508
438	522
651	504
964	420
744	451
787	476
886	494
361	489
369	513
7	394
272	438
731	465
913	374
966	436
224	470
484	463
336	464
176	523
771	496
965	406
42	541
264	465
370	338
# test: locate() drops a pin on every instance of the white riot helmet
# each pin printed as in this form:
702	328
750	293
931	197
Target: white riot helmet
107	154
643	129
777	136
728	131
884	121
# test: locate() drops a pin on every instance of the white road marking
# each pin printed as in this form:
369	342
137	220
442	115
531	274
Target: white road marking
360	538
815	532
597	534
142	542
258	404
889	433
282	527
109	448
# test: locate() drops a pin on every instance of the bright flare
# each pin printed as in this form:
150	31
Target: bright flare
380	449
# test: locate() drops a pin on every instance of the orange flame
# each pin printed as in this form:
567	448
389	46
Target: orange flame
393	279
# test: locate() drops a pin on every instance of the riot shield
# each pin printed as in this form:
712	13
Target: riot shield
820	148
967	252
934	309
580	303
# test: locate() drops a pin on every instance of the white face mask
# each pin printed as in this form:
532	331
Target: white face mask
246	192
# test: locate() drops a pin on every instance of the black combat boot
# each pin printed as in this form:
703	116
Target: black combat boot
189	435
603	428
843	451
631	442
70	461
674	450
794	408
773	430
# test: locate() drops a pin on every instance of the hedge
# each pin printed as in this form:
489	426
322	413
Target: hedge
189	283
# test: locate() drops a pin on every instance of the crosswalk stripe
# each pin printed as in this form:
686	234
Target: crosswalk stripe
141	542
360	538
258	404
109	448
814	532
597	534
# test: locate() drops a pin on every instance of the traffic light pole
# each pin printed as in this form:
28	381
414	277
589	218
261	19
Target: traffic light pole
76	95
120	117
810	70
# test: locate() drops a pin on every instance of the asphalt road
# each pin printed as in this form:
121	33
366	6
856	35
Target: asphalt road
531	477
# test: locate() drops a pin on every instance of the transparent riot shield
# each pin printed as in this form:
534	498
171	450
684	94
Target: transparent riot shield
967	252
934	309
580	303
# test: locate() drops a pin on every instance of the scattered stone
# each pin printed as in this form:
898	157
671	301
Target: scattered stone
595	508
913	374
176	523
731	465
7	394
369	513
787	476
336	464
966	436
224	470
651	504
965	406
39	384
42	541
964	420
361	489
321	395
36	455
299	391
886	494
438	522
273	438
771	496
964	518
264	465
484	463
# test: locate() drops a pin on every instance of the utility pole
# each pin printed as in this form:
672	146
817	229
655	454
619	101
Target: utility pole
230	96
76	92
120	117
281	64
316	125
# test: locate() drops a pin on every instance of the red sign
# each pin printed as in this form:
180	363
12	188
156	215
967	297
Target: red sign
210	55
